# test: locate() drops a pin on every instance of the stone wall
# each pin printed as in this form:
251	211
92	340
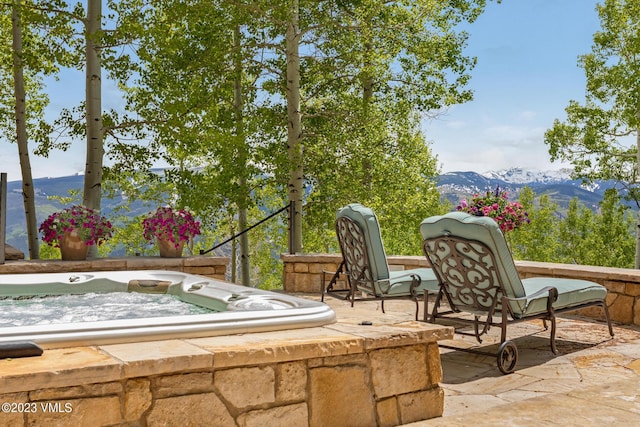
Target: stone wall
623	286
215	267
338	375
303	273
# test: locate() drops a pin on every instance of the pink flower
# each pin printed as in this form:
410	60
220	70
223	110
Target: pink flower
174	225
495	204
92	228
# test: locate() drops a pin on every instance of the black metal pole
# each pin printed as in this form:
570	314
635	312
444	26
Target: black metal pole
291	224
3	215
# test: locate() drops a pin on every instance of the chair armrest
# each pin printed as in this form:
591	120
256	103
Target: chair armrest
553	297
408	273
551	290
415	282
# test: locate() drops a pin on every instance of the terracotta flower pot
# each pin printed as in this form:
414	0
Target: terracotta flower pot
168	249
72	247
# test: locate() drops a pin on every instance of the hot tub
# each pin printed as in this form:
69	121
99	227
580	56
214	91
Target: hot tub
221	308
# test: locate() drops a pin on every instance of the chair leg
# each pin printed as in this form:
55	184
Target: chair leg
436	304
551	316
476	321
606	315
503	324
324	287
425	314
553	334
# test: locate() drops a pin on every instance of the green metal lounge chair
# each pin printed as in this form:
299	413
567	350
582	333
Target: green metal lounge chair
365	263
477	275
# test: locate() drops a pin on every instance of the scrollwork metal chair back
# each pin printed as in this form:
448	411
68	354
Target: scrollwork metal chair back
467	273
466	270
354	252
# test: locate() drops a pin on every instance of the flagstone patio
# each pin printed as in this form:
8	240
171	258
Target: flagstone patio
593	380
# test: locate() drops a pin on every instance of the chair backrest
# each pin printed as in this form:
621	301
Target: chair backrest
471	259
361	245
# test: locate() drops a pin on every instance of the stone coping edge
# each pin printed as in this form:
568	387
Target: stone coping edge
111	264
588	272
74	366
579	271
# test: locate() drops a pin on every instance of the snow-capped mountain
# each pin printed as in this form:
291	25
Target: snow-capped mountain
524	176
561	189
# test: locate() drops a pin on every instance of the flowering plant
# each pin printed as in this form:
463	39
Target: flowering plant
174	225
91	227
494	204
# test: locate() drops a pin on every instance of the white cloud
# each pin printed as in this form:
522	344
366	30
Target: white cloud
495	147
527	115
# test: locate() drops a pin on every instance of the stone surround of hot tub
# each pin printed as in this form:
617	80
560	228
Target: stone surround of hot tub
340	374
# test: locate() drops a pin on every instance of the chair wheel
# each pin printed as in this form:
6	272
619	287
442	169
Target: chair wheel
507	357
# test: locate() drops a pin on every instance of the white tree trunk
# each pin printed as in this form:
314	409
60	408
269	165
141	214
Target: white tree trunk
294	129
28	196
95	150
637	258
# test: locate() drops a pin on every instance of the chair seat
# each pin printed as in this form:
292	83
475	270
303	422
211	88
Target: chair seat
571	293
400	281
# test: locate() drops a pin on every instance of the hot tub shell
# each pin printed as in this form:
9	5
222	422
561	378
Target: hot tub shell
242	309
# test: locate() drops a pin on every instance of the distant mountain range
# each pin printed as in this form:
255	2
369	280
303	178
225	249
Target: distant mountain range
558	185
453	186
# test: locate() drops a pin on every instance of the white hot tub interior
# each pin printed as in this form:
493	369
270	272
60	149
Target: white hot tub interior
213	308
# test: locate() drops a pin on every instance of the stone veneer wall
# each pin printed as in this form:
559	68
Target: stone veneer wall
215	267
338	375
303	273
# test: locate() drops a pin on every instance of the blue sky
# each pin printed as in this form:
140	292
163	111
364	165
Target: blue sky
526	74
